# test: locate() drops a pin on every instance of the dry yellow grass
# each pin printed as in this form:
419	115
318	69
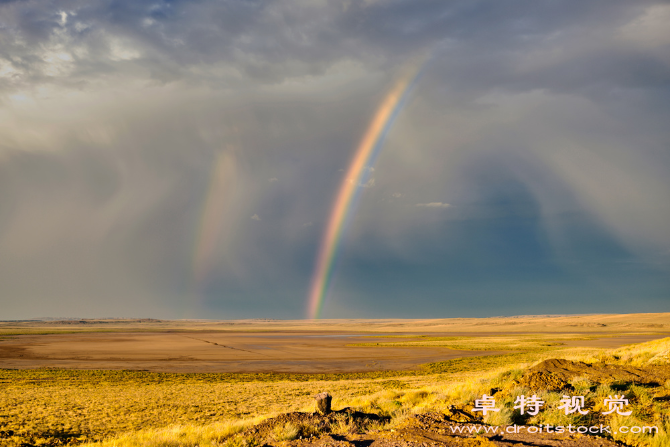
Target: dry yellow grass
512	342
41	406
655	352
133	408
425	394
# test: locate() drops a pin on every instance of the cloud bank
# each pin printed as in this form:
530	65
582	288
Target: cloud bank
136	139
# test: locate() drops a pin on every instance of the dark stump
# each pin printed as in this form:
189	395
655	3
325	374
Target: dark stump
323	402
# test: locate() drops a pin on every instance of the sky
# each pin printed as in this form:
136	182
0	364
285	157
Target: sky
182	159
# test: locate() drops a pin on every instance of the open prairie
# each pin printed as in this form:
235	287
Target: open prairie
329	346
131	383
217	352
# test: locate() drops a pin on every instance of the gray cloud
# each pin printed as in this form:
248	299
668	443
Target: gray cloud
230	44
434	205
136	139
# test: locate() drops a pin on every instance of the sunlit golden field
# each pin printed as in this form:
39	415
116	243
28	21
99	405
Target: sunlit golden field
95	404
141	408
76	406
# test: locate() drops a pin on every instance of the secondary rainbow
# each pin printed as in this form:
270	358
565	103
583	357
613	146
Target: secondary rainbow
212	221
354	179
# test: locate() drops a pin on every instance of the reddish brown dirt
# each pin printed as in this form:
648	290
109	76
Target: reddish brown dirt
430	429
549	374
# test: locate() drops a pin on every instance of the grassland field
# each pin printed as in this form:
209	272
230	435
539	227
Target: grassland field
56	406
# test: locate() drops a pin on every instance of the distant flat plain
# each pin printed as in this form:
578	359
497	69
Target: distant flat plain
300	346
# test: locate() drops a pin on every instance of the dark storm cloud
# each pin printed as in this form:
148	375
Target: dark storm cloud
113	115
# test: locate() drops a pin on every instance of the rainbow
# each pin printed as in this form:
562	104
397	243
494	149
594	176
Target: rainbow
211	225
356	177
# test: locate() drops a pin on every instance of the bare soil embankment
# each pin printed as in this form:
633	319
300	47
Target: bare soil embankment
428	429
554	374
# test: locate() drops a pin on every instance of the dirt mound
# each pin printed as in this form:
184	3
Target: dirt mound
436	429
309	425
552	371
542	380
